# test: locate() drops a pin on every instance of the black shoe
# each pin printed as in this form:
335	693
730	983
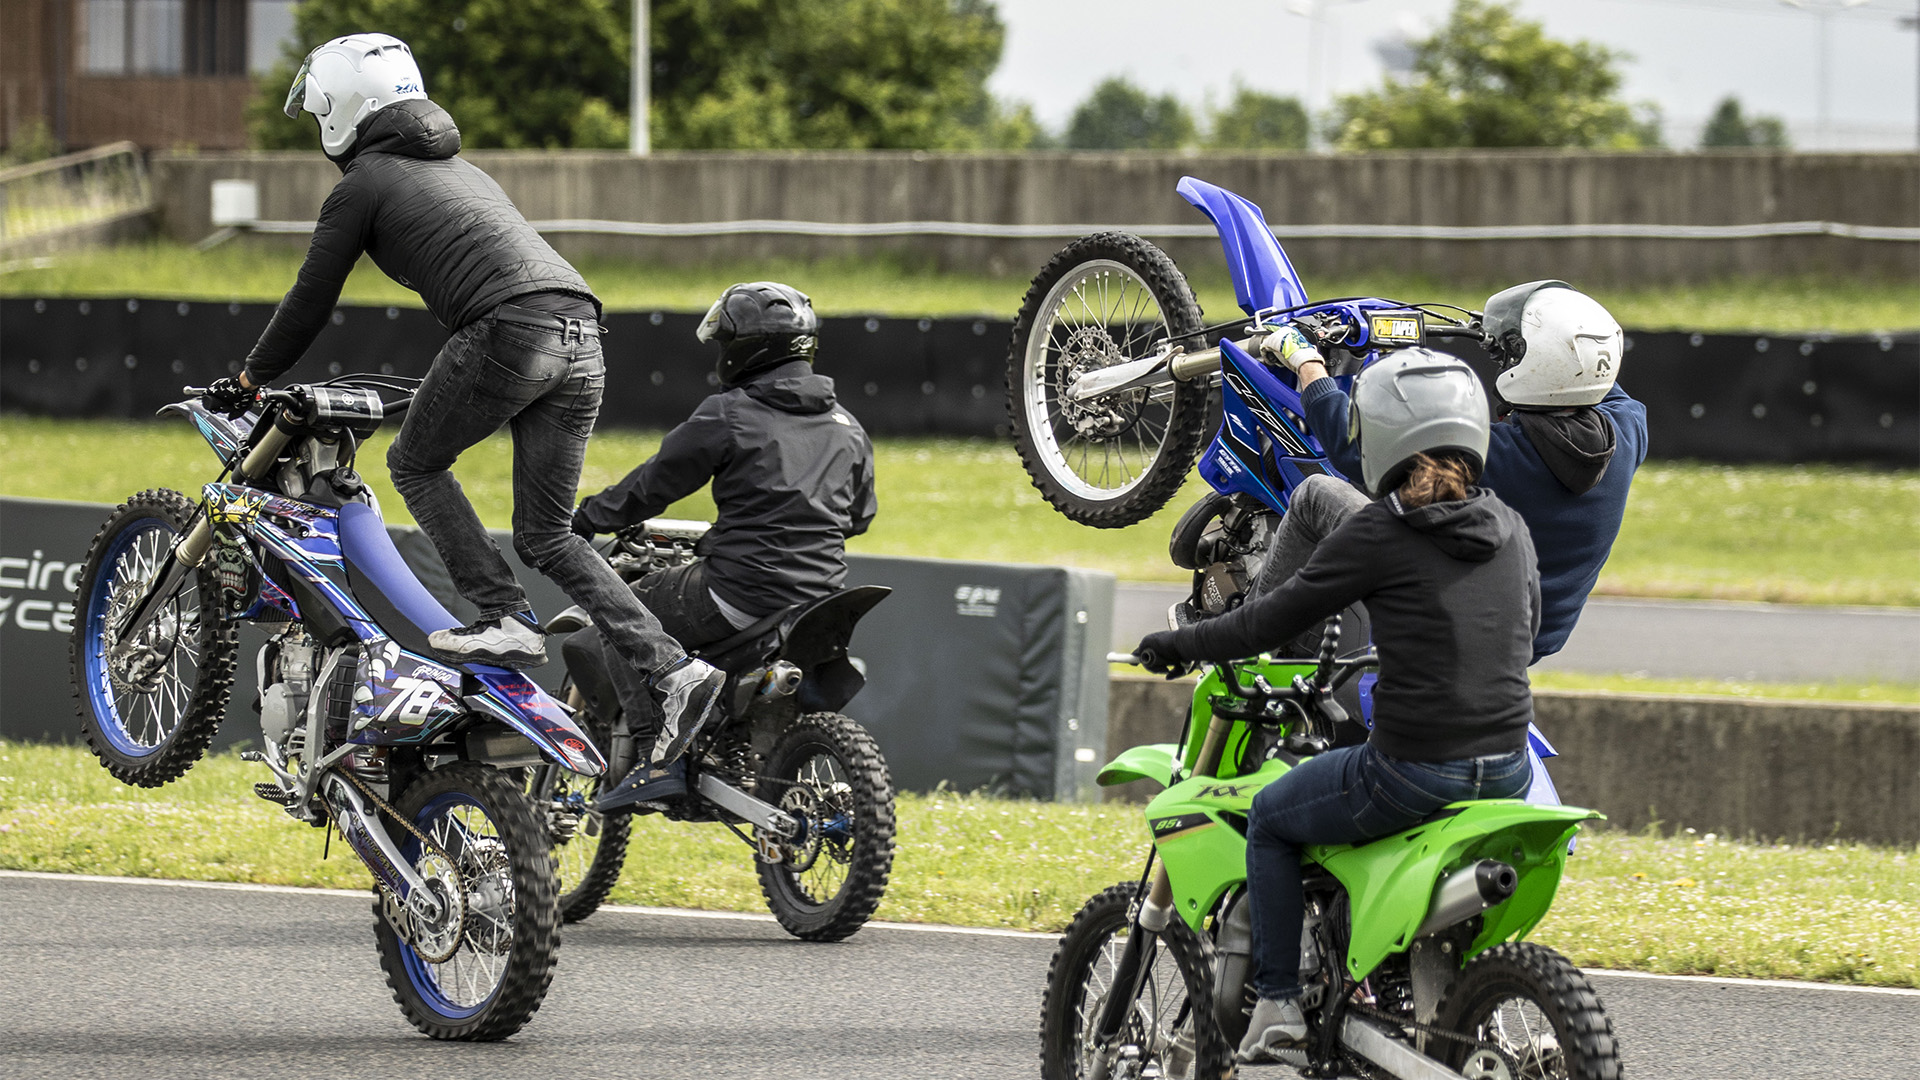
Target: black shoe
648	783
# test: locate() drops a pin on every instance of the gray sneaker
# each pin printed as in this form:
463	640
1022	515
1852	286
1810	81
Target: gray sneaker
509	641
1276	1026
689	695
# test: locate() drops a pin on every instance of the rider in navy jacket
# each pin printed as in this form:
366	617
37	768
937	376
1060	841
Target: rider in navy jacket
1566	472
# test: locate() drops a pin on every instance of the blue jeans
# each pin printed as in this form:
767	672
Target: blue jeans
545	387
1344	796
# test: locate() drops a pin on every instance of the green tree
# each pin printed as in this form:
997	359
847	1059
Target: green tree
1256	121
1730	127
1120	116
514	73
1491	78
727	74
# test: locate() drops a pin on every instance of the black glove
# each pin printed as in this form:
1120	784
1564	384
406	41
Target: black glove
1160	653
581	526
229	397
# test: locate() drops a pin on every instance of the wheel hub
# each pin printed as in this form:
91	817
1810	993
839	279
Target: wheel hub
433	916
490	898
1090	349
1487	1063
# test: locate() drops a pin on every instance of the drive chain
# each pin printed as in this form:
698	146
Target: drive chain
426	843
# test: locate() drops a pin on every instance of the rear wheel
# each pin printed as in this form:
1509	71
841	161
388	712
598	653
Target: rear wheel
149	707
480	977
1170	1031
1533	1016
826	771
1104	300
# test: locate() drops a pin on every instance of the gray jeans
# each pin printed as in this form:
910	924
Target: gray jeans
678	596
545	388
1319	506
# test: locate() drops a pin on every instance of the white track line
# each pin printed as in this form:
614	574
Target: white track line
922	928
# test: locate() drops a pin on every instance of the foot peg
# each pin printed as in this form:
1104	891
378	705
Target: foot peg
273	793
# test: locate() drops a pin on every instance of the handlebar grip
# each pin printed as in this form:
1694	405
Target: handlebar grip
1329	651
1122	658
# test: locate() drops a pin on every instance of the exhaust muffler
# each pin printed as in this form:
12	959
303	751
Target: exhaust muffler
1467	892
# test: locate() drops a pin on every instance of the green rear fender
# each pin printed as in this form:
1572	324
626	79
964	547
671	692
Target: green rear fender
1390	882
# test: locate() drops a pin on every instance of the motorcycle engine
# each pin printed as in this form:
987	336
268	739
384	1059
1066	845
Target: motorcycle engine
286	674
1229	556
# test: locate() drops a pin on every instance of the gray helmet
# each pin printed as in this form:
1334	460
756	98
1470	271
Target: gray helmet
759	324
1415	401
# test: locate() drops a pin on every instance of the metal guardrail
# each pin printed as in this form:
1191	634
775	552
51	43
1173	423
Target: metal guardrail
73	190
990	230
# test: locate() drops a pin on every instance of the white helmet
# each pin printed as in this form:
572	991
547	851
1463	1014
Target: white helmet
350	78
1557	347
1415	401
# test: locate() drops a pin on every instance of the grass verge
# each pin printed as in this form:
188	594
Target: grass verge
1797	534
1873	692
249	271
1680	904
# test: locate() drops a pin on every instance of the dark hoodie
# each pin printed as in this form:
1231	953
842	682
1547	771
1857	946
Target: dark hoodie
1455	602
431	220
792	476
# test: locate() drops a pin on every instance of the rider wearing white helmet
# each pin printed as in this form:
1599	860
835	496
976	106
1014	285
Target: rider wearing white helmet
1563	453
524	355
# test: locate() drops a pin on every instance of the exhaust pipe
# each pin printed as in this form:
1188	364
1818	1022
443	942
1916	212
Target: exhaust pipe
1467	892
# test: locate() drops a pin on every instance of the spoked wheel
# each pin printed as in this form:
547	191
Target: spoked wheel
1533	1016
826	771
1169	1032
149	706
1105	300
479	968
589	848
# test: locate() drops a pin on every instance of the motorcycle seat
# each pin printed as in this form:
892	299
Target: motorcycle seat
383	583
836	611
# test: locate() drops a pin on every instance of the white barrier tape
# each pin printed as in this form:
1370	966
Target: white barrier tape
992	231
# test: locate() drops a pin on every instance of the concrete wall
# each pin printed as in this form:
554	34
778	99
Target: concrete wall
1427	188
1773	770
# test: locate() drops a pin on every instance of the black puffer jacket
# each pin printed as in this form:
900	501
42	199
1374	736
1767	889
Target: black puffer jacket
433	222
792	476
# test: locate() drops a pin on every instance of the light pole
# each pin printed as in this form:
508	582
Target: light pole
639	139
1824	12
1312	10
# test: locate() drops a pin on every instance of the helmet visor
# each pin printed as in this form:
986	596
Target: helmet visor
297	93
710	326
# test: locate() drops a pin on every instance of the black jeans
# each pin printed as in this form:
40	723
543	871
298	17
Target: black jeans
545	388
678	597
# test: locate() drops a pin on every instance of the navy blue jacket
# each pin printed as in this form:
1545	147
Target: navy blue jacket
1572	534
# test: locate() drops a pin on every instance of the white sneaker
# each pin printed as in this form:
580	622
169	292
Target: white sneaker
509	641
689	696
1276	1026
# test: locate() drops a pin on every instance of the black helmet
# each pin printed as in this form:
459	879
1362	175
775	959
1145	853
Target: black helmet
760	324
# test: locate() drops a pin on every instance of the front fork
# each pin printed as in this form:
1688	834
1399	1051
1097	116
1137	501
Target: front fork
1136	963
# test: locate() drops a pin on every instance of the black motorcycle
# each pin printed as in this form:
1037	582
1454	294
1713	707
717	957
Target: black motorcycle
803	785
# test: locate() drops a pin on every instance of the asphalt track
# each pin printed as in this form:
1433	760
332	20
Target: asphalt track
1675	638
111	978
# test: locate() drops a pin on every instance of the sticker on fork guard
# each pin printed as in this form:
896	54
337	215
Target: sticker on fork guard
1397	328
1171	828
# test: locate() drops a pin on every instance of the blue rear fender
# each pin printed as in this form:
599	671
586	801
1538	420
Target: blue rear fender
1263	276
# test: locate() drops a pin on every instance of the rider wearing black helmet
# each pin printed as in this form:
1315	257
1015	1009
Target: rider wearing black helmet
792	475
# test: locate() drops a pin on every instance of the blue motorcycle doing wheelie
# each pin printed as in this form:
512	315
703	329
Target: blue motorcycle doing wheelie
1111	382
415	761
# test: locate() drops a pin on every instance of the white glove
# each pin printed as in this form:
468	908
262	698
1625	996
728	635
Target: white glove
1290	348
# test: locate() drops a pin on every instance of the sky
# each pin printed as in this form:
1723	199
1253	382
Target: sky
1687	55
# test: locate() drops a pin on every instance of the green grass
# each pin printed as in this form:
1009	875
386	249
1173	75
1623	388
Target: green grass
1849	691
1808	534
1685	903
249	271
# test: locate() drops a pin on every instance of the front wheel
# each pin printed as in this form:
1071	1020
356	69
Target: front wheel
1110	461
1531	1015
826	771
589	847
1170	1030
150	706
498	946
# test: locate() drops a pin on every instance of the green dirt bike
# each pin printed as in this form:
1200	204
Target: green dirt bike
1411	953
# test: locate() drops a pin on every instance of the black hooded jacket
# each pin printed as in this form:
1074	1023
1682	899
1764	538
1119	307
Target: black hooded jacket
1455	601
432	221
792	476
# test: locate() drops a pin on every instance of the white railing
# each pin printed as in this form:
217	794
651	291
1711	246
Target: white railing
77	189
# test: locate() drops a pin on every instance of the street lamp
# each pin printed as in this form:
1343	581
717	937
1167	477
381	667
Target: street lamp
1824	12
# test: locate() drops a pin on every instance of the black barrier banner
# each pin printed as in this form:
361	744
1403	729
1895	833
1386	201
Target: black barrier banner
980	675
1712	397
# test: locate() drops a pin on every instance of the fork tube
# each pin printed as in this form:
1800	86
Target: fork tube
1208	763
1131	974
266	451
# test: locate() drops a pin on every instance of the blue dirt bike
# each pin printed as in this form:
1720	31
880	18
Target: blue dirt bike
361	729
1111	379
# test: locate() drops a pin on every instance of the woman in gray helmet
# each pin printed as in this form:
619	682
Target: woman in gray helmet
1447	571
792	475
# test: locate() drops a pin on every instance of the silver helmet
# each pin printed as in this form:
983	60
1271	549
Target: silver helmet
1415	401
